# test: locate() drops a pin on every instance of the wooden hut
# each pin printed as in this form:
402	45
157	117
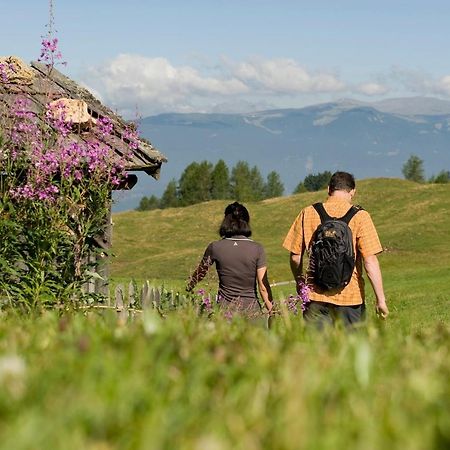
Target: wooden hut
43	84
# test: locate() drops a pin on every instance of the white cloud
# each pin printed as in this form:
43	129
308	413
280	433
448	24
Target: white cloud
415	81
285	76
309	164
443	85
156	85
372	89
420	82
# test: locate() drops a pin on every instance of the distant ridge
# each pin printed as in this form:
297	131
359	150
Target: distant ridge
427	106
367	139
406	106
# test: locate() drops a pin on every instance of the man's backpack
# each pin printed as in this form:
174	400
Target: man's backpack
332	258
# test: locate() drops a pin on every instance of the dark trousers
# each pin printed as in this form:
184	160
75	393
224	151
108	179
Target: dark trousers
321	314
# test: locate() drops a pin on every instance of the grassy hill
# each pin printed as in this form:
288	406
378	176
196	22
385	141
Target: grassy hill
411	218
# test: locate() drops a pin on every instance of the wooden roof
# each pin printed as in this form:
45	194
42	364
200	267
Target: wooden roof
42	85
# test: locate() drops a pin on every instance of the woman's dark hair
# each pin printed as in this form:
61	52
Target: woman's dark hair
236	221
342	181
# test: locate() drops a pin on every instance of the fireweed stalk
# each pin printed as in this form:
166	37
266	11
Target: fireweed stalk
299	301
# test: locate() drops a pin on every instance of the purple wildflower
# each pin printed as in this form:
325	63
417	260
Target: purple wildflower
207	303
49	52
303	294
291	303
105	126
300	300
131	135
3	73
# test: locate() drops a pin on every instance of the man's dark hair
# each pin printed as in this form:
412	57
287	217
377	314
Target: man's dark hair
236	221
341	181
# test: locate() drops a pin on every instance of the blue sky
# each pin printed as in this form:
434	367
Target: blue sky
232	56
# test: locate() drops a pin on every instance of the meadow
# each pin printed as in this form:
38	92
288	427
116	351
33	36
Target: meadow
189	380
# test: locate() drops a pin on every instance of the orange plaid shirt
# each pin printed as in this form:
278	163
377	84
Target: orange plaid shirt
365	243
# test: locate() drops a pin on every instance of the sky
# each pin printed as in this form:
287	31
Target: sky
149	57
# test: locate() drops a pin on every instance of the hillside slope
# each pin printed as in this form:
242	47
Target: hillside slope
412	220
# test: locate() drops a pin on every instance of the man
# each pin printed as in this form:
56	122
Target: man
343	304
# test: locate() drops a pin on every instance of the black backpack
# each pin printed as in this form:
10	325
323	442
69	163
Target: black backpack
332	258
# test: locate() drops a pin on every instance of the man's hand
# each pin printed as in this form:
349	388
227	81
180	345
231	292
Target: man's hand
382	309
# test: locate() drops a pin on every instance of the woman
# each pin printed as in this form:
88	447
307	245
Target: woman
240	264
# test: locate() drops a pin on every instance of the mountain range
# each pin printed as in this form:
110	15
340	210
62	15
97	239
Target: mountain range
366	139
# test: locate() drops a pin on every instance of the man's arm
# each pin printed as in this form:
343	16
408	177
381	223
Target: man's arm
264	287
296	263
373	270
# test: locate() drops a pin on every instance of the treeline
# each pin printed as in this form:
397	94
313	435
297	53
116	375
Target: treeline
203	181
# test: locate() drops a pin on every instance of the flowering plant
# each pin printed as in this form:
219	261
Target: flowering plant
301	300
205	301
55	197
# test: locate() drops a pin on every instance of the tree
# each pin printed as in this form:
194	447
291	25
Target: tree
241	186
274	187
195	183
413	169
220	181
257	185
316	182
170	197
148	203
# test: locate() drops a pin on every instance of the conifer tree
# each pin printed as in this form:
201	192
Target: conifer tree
195	183
274	187
170	197
220	181
257	184
413	169
241	185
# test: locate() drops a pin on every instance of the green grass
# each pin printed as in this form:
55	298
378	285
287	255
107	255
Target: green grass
189	382
84	380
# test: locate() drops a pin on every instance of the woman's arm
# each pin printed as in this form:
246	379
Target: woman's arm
264	287
199	273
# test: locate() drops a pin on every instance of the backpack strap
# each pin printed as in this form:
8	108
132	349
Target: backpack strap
350	213
324	216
